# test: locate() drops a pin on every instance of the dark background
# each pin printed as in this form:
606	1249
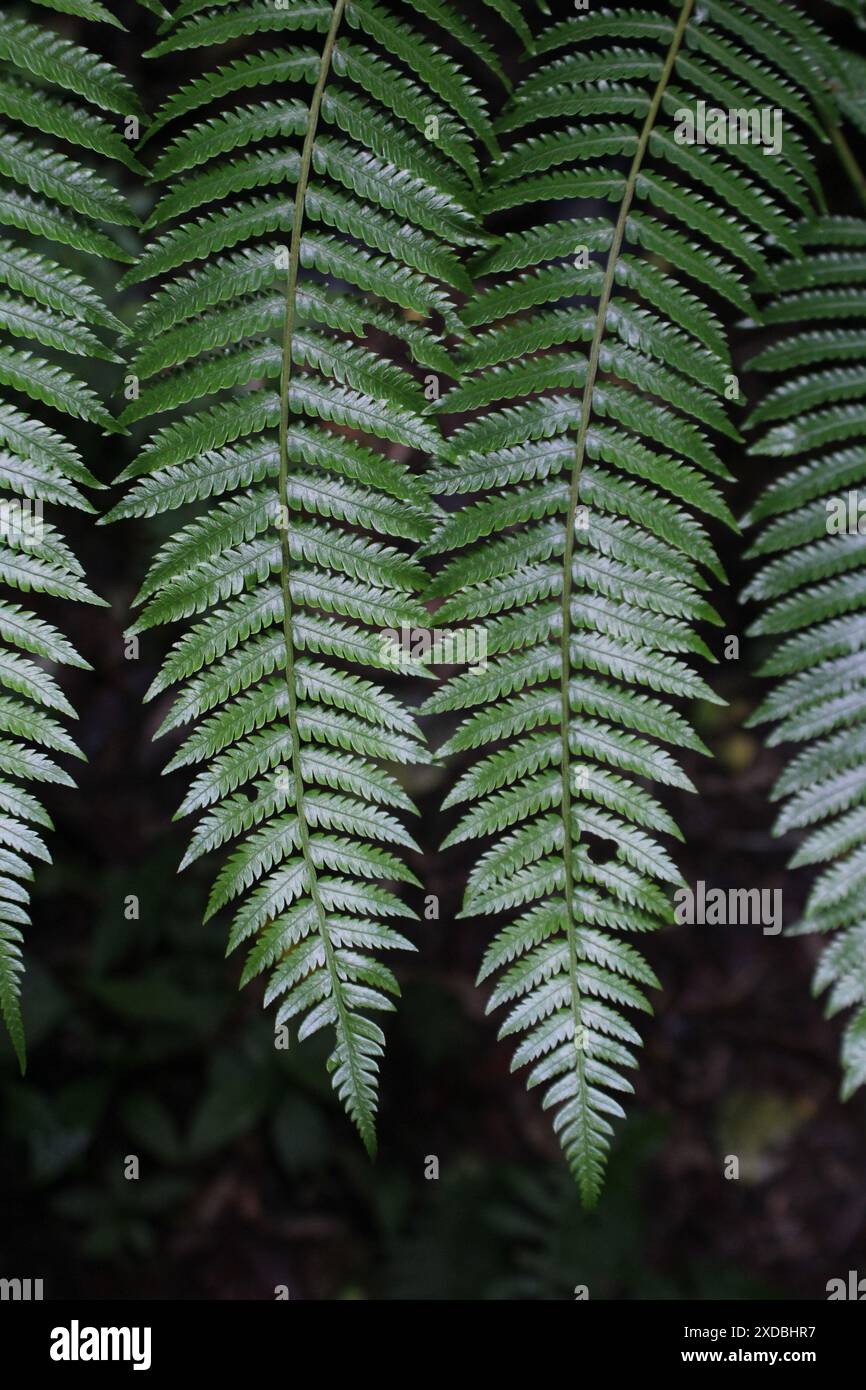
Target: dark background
251	1177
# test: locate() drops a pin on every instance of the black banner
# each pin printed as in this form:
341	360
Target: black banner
81	1340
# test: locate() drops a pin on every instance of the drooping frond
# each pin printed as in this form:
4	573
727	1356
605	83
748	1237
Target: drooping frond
61	109
318	192
600	376
812	589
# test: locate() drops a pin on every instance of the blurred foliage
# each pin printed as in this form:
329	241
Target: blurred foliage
241	1146
144	1056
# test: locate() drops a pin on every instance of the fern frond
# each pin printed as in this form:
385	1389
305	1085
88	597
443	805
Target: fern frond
811	590
281	360
59	208
600	376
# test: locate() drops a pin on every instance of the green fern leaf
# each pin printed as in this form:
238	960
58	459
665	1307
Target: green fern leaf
598	382
812	596
55	197
292	399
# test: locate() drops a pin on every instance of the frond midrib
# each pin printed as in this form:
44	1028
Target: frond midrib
363	1121
570	522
